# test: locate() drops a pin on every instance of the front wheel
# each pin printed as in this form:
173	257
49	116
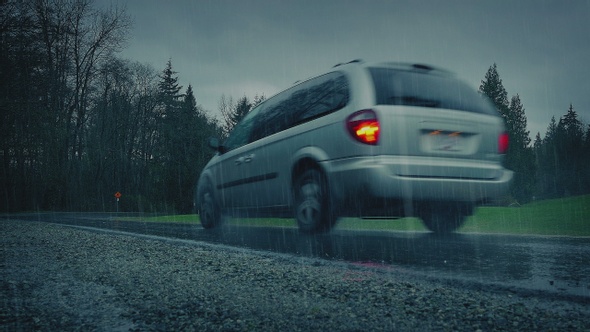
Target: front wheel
313	208
209	212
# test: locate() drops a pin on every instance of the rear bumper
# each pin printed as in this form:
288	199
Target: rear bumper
366	181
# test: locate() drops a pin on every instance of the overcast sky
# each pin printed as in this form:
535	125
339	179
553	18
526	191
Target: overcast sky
238	47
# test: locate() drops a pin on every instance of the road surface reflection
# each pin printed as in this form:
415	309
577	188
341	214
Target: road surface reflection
537	263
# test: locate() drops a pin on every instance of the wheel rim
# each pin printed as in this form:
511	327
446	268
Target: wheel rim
309	211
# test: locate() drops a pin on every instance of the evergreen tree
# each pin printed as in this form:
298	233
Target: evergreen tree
538	147
169	152
170	107
538	143
573	127
516	124
551	130
493	88
202	128
563	158
549	162
520	156
586	161
569	143
169	88
187	146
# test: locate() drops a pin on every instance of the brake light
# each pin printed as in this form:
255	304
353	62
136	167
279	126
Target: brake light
364	126
503	143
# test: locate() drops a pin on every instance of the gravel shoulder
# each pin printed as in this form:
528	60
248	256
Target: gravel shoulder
62	278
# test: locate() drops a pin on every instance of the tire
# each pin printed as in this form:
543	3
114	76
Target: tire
209	211
445	219
313	208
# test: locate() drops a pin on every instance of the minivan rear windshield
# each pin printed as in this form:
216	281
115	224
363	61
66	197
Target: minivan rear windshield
417	88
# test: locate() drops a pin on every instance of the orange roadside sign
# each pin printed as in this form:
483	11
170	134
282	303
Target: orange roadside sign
117	195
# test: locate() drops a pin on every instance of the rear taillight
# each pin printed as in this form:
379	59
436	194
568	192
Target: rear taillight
364	126
503	143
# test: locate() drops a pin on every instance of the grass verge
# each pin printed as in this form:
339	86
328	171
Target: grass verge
564	216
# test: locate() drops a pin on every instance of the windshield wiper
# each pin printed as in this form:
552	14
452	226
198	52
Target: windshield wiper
413	101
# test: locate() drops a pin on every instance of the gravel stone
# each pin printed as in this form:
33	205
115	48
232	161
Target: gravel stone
56	277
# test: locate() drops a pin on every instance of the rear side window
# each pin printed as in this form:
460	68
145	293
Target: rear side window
307	101
415	88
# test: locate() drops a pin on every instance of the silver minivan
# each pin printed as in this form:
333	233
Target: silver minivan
361	140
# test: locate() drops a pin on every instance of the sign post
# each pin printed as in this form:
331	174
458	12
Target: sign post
117	196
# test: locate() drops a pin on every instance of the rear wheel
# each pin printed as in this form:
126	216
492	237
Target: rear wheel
313	208
443	219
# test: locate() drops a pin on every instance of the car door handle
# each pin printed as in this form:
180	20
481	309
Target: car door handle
244	159
249	158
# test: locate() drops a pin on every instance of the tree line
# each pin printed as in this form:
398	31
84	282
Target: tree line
79	123
556	165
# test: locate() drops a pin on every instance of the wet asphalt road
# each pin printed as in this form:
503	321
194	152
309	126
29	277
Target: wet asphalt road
555	265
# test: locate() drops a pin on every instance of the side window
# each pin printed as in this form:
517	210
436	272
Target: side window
304	102
241	133
273	117
323	95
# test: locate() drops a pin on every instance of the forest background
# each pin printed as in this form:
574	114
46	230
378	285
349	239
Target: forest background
80	124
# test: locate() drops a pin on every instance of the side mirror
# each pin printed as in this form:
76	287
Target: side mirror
214	144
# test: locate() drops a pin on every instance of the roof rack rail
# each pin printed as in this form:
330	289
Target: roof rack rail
353	61
422	66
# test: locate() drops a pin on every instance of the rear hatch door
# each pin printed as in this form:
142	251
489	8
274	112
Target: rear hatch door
436	123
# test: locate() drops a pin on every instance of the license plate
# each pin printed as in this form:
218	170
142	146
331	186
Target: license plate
445	141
